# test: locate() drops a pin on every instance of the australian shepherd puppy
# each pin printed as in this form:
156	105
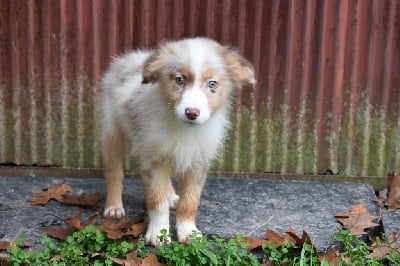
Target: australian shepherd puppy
170	107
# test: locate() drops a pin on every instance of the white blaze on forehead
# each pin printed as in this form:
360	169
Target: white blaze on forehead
194	98
203	54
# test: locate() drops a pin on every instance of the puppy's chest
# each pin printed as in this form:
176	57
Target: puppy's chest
181	145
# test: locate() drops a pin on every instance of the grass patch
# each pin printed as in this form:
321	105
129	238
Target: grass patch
91	247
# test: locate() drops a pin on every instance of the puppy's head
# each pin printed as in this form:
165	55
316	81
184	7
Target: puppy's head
197	76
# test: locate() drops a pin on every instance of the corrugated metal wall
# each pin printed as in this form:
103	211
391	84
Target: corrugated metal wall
328	78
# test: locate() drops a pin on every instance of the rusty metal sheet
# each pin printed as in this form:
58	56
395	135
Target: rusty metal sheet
326	98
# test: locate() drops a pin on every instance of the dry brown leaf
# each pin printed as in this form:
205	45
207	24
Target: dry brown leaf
124	227
3	258
382	249
82	200
357	220
268	263
393	193
133	260
4	245
379	252
76	221
392	239
61	193
55	193
92	219
253	242
60	233
332	258
273	237
56	257
152	260
305	238
74	224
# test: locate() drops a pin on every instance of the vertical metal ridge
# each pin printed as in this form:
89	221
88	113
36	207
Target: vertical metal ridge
338	82
392	53
305	84
5	82
80	57
64	80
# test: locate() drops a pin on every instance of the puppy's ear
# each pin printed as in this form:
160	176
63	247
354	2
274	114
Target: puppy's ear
152	68
240	69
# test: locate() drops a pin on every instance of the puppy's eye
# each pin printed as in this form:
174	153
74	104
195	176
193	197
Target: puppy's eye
180	81
212	85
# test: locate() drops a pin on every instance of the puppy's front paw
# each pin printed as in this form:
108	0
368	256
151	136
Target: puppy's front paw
185	231
114	211
153	236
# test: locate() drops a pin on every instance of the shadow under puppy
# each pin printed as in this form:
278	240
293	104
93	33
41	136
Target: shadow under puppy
170	106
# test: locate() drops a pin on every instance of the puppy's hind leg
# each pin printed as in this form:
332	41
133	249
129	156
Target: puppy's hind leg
112	151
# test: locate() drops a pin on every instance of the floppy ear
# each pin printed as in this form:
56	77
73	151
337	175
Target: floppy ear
240	69
152	68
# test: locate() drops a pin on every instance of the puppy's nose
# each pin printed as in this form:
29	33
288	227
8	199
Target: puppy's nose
192	113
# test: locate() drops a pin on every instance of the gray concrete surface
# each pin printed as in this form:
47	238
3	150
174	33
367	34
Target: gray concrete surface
228	206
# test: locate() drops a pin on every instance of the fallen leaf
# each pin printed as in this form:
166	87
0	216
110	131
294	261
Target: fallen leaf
124	227
3	258
379	252
273	237
253	242
357	220
305	238
332	258
56	257
60	233
74	224
12	244
4	245
55	193
381	249
133	260
82	200
393	193
76	221
392	239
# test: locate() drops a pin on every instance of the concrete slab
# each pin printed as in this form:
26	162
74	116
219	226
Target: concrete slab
228	206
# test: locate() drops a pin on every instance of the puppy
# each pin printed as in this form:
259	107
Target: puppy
170	107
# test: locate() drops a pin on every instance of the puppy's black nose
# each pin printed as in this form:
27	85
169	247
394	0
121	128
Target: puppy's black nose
192	113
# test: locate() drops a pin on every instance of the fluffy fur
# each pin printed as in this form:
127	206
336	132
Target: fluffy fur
170	107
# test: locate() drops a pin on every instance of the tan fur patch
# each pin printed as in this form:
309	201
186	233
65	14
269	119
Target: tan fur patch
208	74
188	75
156	185
190	187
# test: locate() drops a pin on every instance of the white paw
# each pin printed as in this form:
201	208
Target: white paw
185	231
114	211
153	235
172	200
158	220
